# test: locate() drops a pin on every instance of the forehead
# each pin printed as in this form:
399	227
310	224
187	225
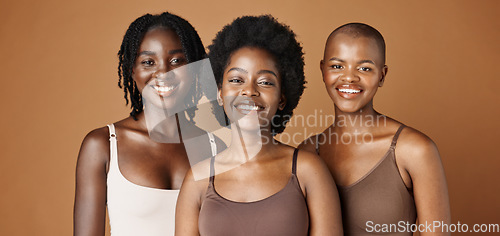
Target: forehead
252	57
160	37
345	45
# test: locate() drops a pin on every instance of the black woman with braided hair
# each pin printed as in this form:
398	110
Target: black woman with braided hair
121	166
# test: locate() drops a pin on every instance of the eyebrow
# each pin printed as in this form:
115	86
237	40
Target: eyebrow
366	61
175	51
336	59
238	69
153	53
246	72
267	72
359	62
146	53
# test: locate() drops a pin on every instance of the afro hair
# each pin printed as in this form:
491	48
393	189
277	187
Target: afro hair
264	32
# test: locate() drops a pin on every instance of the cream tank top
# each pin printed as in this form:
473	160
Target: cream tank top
138	210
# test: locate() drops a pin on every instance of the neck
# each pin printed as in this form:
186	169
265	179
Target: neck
165	129
362	121
247	144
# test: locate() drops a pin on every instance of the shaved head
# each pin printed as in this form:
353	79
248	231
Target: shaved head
356	30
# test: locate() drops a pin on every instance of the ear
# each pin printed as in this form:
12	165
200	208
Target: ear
219	98
282	103
321	64
382	77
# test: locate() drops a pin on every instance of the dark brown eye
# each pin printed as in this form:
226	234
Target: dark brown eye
177	61
148	62
267	83
235	80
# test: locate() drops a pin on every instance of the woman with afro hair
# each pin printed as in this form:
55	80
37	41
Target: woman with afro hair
258	186
121	166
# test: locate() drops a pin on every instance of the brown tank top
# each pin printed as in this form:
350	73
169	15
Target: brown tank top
380	197
283	213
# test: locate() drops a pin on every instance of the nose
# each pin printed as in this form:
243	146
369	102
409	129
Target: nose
161	72
350	75
250	90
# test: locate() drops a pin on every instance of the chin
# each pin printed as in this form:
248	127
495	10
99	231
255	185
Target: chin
247	123
349	109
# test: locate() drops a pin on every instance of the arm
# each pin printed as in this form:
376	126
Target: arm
321	195
188	208
89	214
423	163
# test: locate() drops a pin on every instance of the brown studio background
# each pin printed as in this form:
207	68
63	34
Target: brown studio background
59	81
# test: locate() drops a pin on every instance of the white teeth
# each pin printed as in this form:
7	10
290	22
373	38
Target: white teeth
349	90
164	89
248	107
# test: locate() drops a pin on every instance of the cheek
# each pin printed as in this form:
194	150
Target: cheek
226	97
138	81
273	98
185	84
330	78
374	81
140	76
229	90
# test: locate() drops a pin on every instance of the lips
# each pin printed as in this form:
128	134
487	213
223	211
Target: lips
349	91
247	106
163	89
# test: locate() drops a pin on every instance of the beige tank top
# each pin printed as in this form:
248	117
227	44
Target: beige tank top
137	210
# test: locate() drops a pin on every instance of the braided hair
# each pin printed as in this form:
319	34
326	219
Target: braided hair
191	45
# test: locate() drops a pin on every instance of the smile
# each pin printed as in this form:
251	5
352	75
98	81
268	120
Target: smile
249	107
349	91
164	89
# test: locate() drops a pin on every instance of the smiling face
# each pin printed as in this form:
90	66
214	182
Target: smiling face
161	52
251	88
352	69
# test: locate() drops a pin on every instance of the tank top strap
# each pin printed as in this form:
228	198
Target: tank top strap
212	170
112	133
213	145
317	144
113	150
294	163
396	136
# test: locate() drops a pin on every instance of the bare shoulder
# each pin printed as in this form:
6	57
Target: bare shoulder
310	167
310	144
308	161
129	124
412	140
96	144
415	148
312	173
196	181
200	172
